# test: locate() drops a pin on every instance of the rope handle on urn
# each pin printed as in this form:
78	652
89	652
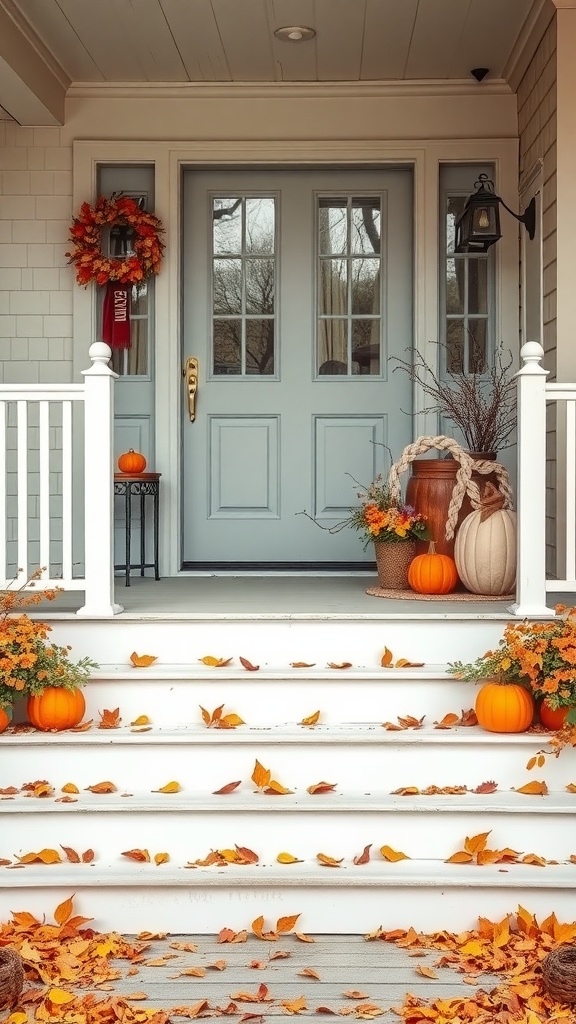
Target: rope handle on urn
464	482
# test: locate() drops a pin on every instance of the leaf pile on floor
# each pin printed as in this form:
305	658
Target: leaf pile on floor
512	948
68	955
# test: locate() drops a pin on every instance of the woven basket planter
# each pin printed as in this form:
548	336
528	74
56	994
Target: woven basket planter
559	972
393	561
11	977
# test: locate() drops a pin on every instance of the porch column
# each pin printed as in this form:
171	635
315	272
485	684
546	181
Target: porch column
98	490
531	544
565	235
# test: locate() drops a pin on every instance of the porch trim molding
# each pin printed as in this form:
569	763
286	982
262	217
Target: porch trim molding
171	158
285	90
532	31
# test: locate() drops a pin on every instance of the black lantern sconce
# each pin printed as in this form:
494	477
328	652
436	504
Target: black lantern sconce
479	226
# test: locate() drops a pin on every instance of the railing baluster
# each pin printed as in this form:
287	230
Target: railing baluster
44	429
22	484
570	534
67	490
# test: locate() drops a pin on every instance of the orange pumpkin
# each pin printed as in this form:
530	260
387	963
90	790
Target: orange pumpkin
56	708
432	573
5	718
132	462
504	707
552	718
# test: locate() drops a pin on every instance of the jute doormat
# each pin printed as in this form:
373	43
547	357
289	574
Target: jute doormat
411	595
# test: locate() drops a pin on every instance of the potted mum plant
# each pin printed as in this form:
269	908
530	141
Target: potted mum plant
34	668
394	529
534	661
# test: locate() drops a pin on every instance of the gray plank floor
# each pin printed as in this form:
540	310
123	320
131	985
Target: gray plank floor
190	596
377	973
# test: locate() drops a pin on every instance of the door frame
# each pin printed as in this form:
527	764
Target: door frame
171	158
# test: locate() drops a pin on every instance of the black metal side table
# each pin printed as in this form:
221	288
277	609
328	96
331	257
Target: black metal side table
139	485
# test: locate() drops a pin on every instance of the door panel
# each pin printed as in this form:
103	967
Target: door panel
297	290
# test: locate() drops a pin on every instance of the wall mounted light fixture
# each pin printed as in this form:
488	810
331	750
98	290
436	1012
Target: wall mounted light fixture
479	226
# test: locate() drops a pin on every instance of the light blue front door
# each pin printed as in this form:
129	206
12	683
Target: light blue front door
297	290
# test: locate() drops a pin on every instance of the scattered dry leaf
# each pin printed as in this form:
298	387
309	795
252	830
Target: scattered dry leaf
248	665
142	660
311	719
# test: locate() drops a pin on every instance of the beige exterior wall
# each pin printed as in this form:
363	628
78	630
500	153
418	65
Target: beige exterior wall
35	283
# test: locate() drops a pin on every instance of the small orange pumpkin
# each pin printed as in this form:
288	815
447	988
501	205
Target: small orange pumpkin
504	707
56	708
132	462
5	718
552	718
433	573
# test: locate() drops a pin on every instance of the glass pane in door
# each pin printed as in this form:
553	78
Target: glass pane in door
349	286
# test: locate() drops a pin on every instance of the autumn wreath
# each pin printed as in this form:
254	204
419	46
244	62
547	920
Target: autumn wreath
87	256
138	255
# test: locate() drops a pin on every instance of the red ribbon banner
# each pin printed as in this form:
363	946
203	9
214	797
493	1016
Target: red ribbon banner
116	316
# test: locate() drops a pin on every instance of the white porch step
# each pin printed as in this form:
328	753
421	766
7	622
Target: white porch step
275	640
173	693
355	756
426	894
187	827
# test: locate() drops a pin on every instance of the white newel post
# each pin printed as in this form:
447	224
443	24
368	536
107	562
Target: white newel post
98	484
531	504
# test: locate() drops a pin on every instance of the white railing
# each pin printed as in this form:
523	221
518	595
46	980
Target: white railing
28	471
539	450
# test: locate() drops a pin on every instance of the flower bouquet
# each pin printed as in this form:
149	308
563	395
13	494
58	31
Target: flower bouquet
381	519
29	662
541	657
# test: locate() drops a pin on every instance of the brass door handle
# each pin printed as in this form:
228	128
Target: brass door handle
190	374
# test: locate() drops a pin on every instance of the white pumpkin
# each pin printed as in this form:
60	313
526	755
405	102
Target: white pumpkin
485	552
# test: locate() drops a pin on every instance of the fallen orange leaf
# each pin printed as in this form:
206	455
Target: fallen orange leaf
354	994
138	855
304	938
170	787
311	720
141	720
102	787
109	719
286	924
46	856
302	664
309	972
161	858
260	776
447	722
275	788
59	997
392	855
328	862
534	789
69	787
426	972
486	787
386	659
287	858
142	660
364	857
294	1005
63	910
339	664
321	787
248	856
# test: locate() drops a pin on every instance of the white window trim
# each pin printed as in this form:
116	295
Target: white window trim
170	158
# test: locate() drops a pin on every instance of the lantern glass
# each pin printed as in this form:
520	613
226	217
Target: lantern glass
479	226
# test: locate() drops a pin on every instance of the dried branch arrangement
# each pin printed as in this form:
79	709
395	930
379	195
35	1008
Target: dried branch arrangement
482	402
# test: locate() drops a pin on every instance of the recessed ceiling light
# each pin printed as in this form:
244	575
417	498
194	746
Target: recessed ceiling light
295	33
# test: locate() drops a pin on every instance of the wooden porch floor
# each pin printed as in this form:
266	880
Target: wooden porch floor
277	596
380	974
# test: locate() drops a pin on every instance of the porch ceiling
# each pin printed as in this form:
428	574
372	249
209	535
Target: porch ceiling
233	40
